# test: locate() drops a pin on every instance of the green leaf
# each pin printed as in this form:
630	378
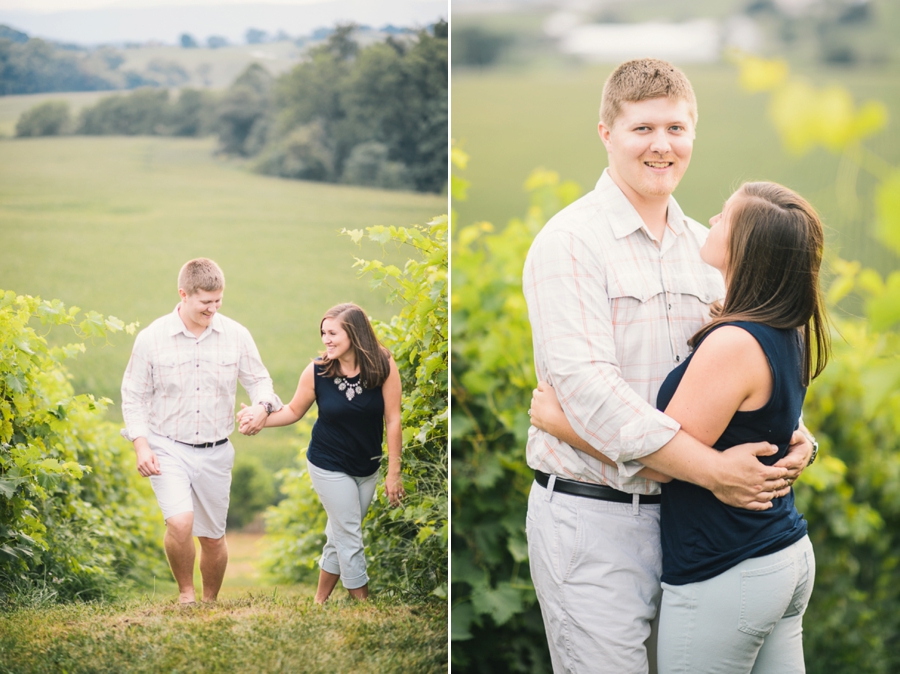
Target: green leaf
887	210
8	486
461	618
501	603
15	383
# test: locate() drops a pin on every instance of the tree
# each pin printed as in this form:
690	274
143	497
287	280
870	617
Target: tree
47	119
188	41
36	66
255	36
13	35
384	105
242	115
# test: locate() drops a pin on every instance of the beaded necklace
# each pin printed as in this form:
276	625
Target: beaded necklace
350	390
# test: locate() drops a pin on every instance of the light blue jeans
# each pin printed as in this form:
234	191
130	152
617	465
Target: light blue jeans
747	619
346	500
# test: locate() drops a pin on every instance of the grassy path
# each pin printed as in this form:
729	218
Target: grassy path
254	627
255	632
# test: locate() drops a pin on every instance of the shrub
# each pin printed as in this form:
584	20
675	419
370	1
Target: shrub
305	154
74	513
142	112
368	164
252	490
47	119
493	375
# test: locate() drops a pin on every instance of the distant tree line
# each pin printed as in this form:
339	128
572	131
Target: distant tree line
31	66
365	116
374	116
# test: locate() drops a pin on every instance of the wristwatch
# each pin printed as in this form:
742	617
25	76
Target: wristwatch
812	457
269	408
815	452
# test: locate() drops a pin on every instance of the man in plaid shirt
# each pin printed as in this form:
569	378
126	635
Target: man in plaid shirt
178	398
615	286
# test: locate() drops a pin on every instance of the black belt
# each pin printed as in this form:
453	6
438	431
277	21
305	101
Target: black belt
595	491
204	445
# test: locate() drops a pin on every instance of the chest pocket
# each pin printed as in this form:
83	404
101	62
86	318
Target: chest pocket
218	372
172	373
707	286
632	283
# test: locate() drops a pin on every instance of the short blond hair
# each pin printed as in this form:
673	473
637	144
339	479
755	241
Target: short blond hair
641	80
200	274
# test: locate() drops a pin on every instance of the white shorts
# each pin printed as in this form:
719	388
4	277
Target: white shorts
196	480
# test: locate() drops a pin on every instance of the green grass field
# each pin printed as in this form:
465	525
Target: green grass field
106	223
513	120
275	631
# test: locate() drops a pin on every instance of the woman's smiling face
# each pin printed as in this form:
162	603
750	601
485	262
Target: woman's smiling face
335	339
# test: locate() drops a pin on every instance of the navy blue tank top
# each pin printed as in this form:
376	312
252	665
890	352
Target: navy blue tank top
347	435
701	536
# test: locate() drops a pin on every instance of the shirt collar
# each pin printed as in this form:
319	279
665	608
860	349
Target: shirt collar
175	325
628	221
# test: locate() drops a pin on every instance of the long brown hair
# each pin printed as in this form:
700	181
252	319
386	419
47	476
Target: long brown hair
373	359
774	256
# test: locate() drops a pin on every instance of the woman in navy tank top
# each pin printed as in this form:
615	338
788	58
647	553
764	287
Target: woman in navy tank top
356	387
735	581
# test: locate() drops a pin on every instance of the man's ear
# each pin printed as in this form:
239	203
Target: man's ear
182	294
603	131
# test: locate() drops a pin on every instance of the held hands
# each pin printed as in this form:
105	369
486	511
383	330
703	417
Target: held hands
251	420
393	488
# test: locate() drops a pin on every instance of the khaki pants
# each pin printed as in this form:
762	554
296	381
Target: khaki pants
596	567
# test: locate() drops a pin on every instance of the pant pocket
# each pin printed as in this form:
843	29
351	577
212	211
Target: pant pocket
766	594
807	579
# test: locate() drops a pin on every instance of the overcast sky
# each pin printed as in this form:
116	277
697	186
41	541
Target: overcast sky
67	5
91	22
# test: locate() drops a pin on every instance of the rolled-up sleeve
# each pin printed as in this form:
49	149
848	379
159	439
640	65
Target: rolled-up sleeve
137	391
569	309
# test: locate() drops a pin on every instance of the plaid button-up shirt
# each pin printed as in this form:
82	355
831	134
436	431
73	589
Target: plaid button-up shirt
183	387
611	312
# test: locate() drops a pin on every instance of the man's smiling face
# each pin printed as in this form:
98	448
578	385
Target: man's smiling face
197	310
649	146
